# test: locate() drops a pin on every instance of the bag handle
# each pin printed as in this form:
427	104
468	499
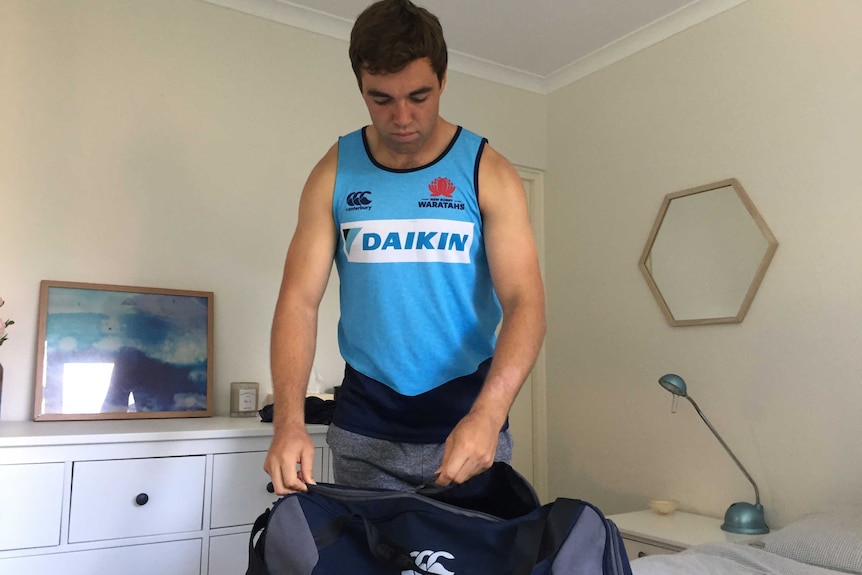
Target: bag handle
540	538
256	564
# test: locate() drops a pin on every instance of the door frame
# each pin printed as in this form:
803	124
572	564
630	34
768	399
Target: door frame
533	180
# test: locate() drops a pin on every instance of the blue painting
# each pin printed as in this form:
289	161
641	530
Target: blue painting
116	352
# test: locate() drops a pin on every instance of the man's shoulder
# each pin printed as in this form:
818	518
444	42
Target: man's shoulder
330	158
497	176
494	162
323	173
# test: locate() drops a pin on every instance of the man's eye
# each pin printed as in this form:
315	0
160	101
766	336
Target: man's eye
382	101
418	99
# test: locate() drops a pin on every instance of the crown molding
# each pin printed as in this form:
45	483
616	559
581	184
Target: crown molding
291	14
494	72
686	17
285	12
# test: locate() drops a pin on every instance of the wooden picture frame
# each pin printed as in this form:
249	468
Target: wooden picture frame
123	352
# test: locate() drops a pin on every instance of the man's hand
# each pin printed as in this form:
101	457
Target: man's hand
290	461
470	449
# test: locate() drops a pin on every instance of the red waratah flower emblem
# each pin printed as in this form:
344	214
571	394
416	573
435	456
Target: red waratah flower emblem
441	187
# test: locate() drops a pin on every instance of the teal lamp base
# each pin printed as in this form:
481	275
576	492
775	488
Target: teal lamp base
745	518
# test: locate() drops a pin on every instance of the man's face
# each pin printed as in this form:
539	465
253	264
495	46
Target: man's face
404	105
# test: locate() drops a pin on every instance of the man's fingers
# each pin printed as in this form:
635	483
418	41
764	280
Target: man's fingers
464	458
285	480
306	469
453	469
290	462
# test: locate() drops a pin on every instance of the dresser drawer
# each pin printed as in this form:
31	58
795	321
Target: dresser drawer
171	558
240	487
635	549
31	503
136	497
228	554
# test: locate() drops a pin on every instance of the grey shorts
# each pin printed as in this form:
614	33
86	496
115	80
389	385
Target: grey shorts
360	461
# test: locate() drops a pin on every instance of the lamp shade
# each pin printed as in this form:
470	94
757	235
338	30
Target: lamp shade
674	384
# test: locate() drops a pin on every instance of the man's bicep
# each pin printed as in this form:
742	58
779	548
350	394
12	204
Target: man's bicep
514	264
312	248
509	240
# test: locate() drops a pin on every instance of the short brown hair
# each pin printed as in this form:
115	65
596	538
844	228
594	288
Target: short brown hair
390	34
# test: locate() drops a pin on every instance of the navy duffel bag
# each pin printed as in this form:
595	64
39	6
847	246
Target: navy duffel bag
492	524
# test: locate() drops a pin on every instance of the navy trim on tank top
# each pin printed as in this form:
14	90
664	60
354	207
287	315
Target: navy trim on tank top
368	407
408	170
476	169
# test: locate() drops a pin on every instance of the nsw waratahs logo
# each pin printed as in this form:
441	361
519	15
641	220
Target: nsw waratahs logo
441	190
441	187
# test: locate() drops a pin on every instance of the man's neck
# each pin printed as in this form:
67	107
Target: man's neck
436	144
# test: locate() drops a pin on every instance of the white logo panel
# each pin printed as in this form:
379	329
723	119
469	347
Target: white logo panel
398	241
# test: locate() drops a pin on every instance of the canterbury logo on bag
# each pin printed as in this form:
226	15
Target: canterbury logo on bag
429	562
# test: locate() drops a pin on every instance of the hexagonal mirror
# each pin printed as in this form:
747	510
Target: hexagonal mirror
707	254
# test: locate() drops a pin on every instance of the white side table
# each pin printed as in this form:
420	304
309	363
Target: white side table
648	533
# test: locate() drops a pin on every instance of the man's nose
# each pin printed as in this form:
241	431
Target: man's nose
402	113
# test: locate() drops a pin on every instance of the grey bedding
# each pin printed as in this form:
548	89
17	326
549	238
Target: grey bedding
827	542
724	559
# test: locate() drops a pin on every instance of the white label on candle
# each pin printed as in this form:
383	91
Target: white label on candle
247	400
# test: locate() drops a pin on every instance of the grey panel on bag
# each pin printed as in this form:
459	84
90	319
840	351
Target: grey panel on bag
583	550
290	546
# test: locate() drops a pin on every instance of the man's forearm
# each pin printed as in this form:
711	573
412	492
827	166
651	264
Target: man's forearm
518	346
291	356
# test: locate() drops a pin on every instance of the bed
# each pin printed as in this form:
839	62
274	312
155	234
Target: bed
823	543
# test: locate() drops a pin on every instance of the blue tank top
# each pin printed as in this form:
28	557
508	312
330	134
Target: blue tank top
418	309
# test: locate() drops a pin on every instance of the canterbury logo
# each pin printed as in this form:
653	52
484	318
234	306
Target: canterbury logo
429	562
358	199
441	187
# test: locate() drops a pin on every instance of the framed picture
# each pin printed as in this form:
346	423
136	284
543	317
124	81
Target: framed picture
121	352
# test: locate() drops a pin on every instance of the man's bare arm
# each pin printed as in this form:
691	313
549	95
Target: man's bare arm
294	329
514	264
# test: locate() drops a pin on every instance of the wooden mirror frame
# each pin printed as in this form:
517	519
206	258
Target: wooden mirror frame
771	247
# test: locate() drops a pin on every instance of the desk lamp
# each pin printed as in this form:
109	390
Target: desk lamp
740	517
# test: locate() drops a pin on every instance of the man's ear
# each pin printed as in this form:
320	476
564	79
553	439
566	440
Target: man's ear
443	82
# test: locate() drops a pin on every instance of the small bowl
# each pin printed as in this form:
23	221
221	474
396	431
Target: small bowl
664	506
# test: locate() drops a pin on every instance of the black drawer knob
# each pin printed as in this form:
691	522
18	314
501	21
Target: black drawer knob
270	488
641	554
142	499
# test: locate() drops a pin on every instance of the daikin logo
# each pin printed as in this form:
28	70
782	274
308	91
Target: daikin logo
429	562
399	241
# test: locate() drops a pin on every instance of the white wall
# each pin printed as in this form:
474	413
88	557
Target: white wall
164	143
768	93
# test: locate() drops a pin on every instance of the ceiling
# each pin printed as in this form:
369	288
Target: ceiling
537	45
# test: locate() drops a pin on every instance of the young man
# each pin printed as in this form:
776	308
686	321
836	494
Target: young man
429	229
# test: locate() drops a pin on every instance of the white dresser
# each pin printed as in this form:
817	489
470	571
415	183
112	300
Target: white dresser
648	533
137	497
